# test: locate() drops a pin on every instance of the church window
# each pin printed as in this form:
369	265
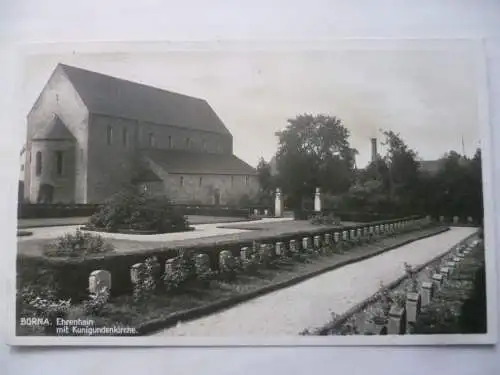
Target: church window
182	181
204	145
110	135
169	141
22	167
151	140
247	180
201	181
59	163
38	166
125	137
232	181
188	143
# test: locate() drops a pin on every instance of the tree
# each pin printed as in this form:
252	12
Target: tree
266	182
264	176
403	170
314	151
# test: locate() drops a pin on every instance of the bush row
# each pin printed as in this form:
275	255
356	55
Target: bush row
71	274
33	211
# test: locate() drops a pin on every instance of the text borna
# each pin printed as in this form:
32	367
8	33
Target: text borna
34	322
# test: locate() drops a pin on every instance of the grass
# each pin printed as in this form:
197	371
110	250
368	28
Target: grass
162	305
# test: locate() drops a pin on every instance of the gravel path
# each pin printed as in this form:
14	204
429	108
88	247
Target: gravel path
310	303
201	231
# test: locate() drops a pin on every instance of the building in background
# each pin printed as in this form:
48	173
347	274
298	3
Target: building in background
90	134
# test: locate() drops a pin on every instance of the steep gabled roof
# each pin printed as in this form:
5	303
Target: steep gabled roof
55	129
199	163
106	95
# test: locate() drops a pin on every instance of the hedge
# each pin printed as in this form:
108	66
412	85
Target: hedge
71	275
32	210
361	217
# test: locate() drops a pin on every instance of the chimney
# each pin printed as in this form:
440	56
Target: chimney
374	148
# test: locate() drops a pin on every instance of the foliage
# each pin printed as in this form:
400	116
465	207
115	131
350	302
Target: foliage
97	302
183	271
322	219
133	209
314	151
41	303
266	181
146	282
78	244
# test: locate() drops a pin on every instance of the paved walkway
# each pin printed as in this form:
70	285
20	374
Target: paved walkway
310	303
201	231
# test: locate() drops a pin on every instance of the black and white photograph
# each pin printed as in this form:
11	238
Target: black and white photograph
324	192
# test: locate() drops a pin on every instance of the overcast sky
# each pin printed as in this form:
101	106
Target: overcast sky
428	95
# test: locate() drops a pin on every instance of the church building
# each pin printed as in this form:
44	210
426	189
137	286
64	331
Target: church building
91	134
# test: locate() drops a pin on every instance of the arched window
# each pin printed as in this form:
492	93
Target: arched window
59	163
169	141
110	135
151	140
188	143
125	137
38	163
182	181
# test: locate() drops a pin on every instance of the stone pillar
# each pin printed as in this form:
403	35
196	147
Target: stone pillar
317	201
317	242
397	320
437	279
278	203
135	272
279	251
413	304
99	282
244	253
427	292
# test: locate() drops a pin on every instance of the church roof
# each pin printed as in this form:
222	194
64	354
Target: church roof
179	162
106	95
55	129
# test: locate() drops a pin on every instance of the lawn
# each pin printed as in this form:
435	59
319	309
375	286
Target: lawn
260	231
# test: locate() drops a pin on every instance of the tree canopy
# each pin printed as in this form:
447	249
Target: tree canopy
314	151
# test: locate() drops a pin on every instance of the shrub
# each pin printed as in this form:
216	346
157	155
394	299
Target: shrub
146	282
131	209
183	271
96	304
77	244
328	219
34	302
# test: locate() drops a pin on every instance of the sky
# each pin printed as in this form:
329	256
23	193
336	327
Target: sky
426	93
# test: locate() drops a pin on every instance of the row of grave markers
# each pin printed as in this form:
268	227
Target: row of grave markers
400	318
100	280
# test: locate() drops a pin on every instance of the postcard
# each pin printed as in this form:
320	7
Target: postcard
298	193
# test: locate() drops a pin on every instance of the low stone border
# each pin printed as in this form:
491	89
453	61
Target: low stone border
24	233
343	318
198	312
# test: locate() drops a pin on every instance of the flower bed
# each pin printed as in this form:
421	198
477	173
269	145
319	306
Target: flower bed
188	281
